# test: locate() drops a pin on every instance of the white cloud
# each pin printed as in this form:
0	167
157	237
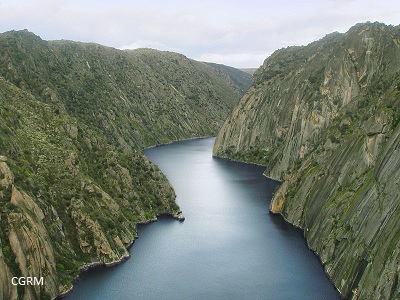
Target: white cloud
143	44
231	32
239	60
148	44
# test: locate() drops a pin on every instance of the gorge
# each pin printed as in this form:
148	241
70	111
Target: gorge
323	119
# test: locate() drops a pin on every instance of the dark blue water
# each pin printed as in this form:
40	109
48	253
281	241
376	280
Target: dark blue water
229	247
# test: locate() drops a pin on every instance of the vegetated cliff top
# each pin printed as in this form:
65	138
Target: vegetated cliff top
73	180
325	120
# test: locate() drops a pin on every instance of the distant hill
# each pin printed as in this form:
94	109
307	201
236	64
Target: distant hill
250	71
73	179
238	78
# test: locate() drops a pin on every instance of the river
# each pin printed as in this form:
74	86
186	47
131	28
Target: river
229	246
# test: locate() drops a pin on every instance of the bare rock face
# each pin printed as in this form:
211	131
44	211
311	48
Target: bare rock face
31	245
324	119
7	291
28	242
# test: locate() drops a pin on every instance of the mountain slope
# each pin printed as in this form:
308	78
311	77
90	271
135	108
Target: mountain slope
73	179
91	81
324	119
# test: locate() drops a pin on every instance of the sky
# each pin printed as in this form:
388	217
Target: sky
237	33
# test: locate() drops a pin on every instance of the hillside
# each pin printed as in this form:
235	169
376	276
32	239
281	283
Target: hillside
147	87
73	179
324	120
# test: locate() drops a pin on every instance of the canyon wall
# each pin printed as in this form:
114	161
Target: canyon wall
324	120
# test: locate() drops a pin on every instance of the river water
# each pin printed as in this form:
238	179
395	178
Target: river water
229	246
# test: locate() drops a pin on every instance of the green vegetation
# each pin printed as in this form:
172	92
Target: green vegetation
396	119
74	118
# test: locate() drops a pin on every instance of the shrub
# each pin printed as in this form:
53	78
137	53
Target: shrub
60	267
6	250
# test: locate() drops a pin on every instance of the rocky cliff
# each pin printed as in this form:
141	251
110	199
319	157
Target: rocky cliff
73	180
324	119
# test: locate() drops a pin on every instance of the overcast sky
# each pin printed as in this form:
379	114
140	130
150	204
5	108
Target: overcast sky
236	33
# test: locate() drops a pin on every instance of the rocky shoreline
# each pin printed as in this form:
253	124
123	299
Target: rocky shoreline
178	140
239	161
176	215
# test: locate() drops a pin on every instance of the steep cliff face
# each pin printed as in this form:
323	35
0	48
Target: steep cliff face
345	195
26	235
299	90
324	119
73	179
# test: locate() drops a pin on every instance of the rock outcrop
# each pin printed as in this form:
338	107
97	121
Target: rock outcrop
324	120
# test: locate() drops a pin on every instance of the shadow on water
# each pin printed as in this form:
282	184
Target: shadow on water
280	223
250	172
